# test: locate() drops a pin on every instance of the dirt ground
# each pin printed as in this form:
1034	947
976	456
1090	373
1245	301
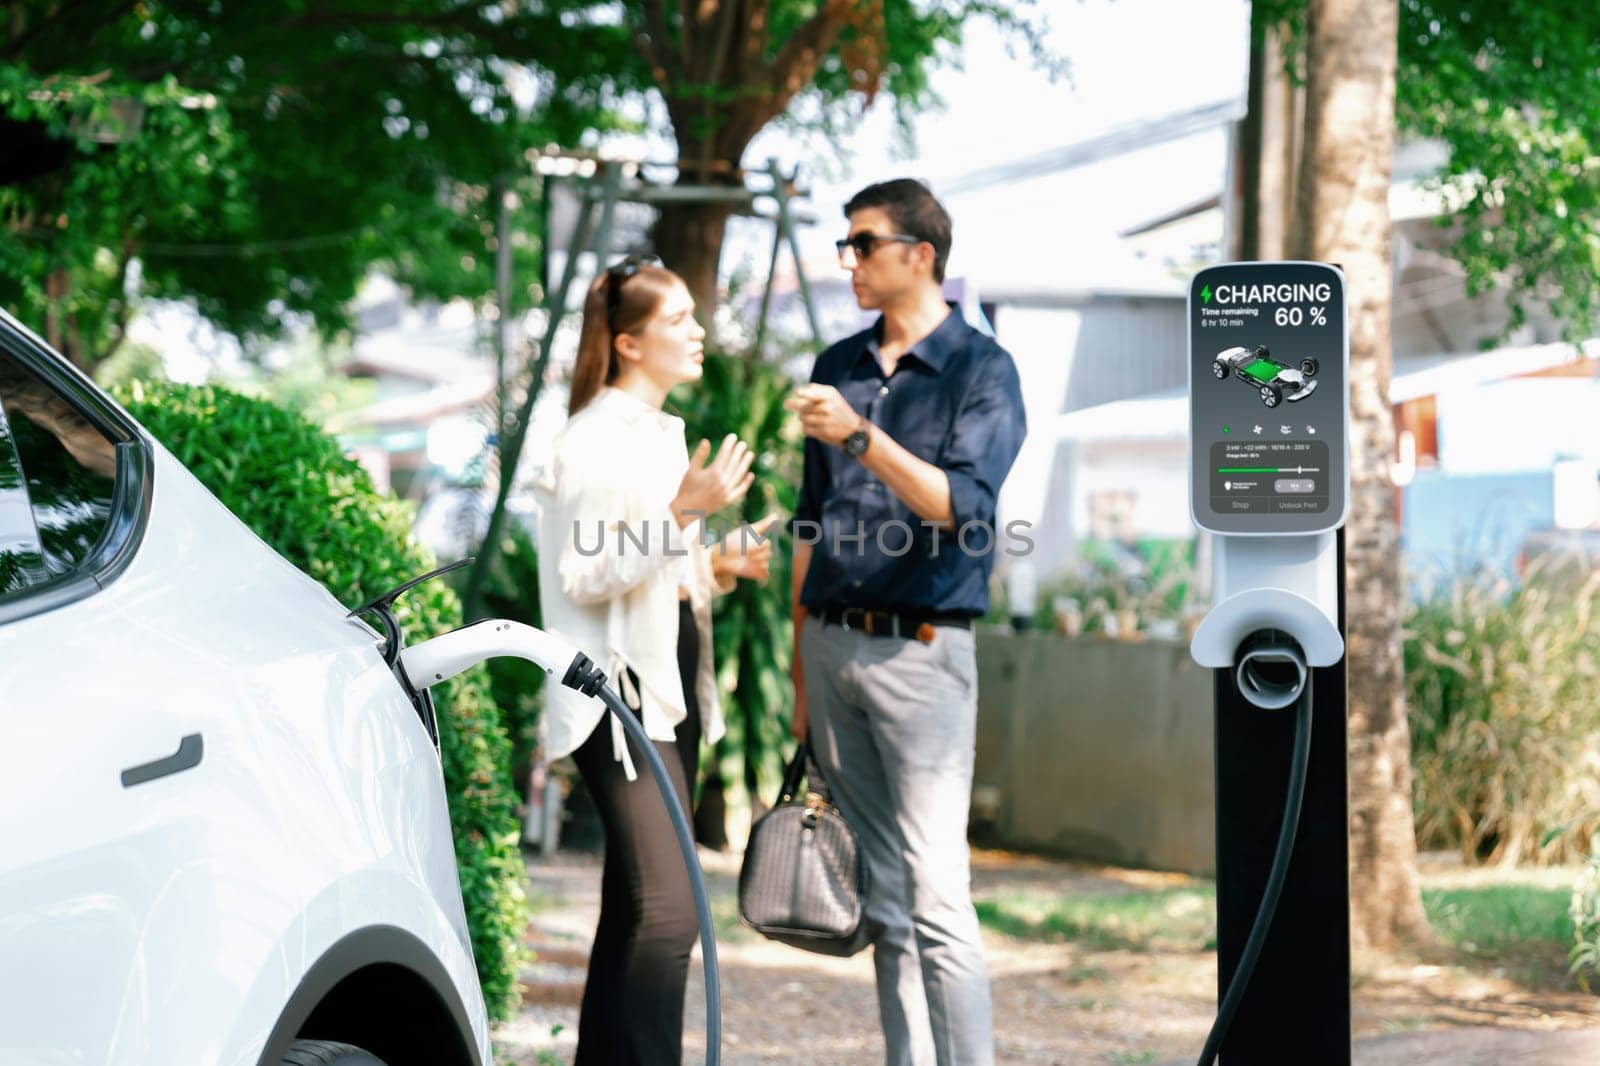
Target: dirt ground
1054	1002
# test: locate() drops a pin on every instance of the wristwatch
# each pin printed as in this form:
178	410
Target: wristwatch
856	443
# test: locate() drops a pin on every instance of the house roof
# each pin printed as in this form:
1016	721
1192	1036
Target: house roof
1158	416
1165	415
1107	144
1432	374
423	407
428	354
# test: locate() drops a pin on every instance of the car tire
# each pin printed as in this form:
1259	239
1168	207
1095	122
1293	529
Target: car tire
1308	367
1219	371
1271	395
327	1053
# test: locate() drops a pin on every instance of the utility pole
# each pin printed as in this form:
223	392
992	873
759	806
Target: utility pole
502	296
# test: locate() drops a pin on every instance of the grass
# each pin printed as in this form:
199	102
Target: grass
1490	920
1172	919
1516	922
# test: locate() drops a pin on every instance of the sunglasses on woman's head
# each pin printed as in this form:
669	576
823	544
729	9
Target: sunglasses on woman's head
617	275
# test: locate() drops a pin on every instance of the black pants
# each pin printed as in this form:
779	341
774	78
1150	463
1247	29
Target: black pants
639	965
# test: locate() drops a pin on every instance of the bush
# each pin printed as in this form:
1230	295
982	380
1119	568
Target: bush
289	482
512	591
1151	578
1505	727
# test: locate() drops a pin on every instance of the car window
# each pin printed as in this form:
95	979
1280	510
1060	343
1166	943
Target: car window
21	559
57	481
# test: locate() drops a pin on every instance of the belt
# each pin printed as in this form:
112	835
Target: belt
912	625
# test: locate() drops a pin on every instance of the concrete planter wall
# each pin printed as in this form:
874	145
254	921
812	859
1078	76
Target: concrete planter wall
1094	748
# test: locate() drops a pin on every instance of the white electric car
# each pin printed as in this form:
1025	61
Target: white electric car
223	831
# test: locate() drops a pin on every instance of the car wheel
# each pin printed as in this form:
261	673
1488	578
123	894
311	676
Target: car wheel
327	1053
1271	395
1218	370
1308	367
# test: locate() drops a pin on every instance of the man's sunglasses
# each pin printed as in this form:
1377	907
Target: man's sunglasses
863	244
617	275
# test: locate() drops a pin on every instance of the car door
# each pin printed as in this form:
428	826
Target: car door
75	878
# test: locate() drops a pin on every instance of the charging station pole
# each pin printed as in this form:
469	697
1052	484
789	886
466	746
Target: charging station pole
1269	418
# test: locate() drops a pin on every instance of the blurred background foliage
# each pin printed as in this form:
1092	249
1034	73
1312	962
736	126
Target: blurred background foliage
259	159
1505	730
753	631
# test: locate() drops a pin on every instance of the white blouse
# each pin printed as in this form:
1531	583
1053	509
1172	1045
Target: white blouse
611	561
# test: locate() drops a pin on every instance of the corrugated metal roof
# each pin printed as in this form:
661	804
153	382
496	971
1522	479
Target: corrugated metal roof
1099	349
1430	375
1164	414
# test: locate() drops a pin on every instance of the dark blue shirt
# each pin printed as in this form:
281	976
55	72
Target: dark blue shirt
954	399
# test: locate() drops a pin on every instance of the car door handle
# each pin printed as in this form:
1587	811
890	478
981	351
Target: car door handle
187	757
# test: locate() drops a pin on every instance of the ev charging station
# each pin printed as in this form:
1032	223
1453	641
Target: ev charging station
1269	479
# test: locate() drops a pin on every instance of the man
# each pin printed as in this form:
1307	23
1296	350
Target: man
912	426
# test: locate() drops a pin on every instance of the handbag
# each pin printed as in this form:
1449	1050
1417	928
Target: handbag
803	882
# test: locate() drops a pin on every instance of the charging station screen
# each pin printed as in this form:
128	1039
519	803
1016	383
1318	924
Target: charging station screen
1267	410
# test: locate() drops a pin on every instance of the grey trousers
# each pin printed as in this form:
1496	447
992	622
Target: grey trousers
893	725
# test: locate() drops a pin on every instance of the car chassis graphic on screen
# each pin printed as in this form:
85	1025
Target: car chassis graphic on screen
1275	381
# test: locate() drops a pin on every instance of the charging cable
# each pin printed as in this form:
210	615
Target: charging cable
443	657
1271	673
588	679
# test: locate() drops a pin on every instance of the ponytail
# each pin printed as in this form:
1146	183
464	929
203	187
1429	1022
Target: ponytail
597	358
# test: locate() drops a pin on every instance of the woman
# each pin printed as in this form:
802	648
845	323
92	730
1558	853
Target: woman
625	574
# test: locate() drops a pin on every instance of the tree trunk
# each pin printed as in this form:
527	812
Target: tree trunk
721	92
688	238
1344	218
1269	149
55	317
